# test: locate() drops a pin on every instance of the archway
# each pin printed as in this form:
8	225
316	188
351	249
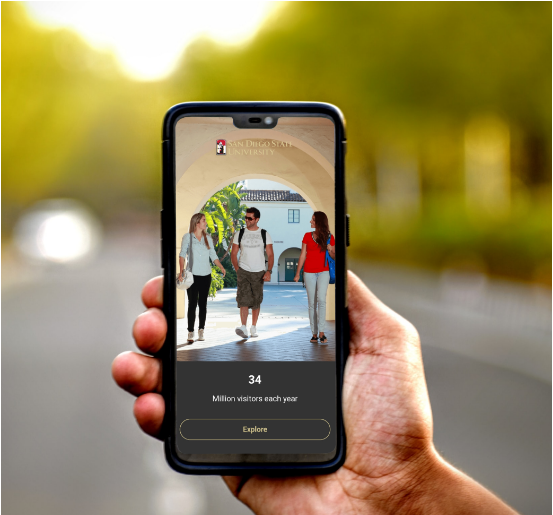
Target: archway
292	167
287	264
317	147
306	165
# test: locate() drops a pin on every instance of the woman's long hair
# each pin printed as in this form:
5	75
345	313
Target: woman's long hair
193	222
322	232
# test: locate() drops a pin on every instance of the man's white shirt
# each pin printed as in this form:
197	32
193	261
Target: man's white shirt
252	252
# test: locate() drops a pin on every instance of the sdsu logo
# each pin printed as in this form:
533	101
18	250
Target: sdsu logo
221	148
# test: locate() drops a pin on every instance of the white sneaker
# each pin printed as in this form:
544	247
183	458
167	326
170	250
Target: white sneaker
201	335
242	331
190	337
253	331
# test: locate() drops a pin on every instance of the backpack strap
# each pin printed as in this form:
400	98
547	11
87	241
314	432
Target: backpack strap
263	237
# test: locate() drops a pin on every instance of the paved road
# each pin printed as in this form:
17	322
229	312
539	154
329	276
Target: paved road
70	443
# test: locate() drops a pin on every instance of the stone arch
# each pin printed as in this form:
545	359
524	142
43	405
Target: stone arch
292	167
185	161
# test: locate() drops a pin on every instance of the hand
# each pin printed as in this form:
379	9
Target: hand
330	247
267	276
391	465
223	271
297	277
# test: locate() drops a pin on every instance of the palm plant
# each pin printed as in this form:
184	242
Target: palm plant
224	214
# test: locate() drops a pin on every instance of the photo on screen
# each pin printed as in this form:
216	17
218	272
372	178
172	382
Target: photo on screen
256	197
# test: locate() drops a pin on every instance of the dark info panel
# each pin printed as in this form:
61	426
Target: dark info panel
256	407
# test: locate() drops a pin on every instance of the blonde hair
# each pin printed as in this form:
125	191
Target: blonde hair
196	217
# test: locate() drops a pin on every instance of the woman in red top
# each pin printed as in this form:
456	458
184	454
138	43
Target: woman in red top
316	274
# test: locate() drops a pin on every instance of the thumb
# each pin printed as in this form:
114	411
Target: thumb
374	327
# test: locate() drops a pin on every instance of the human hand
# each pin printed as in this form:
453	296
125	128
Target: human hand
297	277
224	272
267	276
391	464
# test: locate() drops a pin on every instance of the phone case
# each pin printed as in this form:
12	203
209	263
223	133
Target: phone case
168	230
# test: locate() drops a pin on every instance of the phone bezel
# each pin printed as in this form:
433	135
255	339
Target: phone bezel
168	230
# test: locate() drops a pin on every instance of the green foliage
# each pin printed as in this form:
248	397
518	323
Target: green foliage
406	75
217	282
224	213
231	279
74	126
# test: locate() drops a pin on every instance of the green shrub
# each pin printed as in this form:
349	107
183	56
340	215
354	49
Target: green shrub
216	281
230	278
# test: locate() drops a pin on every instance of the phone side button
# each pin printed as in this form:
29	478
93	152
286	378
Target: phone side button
347	230
161	239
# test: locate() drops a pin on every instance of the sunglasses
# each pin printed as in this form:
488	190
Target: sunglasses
250	218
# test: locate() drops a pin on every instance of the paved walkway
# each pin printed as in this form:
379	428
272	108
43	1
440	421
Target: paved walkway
283	330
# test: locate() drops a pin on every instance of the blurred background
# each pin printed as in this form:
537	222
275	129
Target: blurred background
448	109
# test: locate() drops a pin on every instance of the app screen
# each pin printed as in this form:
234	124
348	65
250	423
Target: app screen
256	348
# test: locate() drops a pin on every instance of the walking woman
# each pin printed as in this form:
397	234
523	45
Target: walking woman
316	274
202	251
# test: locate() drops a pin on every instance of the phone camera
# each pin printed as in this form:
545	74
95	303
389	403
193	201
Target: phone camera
268	120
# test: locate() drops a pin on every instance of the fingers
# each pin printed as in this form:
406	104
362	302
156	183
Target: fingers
372	323
233	482
152	293
149	410
136	373
149	330
236	483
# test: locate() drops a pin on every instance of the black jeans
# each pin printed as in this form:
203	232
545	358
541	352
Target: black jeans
197	295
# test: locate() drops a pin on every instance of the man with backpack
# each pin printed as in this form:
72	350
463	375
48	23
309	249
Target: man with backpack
252	270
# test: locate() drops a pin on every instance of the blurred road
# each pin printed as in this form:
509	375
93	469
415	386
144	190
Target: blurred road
71	445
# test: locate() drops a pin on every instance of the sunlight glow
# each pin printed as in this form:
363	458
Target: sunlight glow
57	231
148	38
63	237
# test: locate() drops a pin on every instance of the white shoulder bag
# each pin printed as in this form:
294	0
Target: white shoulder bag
188	278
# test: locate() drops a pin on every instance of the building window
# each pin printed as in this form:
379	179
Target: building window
293	216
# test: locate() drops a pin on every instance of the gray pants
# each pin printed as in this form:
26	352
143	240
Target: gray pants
316	286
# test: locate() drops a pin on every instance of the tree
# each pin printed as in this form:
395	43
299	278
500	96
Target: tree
224	213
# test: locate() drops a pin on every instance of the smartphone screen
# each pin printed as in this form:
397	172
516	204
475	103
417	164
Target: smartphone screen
256	345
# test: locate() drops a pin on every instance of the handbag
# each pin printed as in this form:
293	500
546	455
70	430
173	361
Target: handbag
331	263
188	278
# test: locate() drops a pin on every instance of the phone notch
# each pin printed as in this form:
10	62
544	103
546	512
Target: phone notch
247	121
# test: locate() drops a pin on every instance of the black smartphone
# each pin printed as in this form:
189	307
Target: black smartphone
254	236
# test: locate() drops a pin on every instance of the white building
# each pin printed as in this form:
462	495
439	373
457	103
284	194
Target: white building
286	216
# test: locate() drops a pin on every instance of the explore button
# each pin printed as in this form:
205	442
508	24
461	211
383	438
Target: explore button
254	429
